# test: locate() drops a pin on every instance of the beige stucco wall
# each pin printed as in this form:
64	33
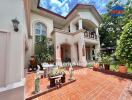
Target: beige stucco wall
86	14
14	63
34	19
47	21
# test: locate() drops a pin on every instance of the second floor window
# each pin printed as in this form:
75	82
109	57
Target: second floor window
40	31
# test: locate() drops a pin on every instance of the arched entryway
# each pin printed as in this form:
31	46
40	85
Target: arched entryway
65	53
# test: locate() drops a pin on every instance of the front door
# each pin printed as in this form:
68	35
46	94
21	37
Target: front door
62	54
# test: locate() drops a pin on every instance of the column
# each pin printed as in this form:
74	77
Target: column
58	54
74	54
82	52
97	46
80	24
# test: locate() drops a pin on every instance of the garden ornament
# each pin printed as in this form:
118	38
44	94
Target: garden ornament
71	72
37	81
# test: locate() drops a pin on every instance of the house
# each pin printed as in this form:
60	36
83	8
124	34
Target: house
75	37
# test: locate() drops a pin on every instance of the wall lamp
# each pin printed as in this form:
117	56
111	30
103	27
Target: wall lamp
15	24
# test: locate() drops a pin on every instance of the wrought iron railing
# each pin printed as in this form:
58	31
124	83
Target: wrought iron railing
90	34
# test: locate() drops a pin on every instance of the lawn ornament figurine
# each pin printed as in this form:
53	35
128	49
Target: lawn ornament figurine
37	82
71	72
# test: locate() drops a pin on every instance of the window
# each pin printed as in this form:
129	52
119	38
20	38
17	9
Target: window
69	28
40	31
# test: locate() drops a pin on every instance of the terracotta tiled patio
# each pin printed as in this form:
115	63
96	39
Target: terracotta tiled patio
89	85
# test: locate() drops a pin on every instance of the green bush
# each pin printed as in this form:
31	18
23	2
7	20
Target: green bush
89	65
124	45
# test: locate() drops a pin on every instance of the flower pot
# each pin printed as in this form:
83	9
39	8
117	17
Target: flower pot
96	66
122	69
107	66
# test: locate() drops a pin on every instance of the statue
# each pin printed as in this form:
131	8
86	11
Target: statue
37	81
71	72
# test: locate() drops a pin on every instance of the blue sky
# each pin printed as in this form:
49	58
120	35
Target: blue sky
63	7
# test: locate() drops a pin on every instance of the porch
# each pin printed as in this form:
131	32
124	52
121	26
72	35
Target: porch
76	54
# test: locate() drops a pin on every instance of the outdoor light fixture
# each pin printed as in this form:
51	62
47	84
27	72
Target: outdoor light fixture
15	24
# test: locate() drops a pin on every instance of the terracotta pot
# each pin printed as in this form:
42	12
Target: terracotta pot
107	66
122	69
96	65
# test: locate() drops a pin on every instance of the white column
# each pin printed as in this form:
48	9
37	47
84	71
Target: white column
73	54
58	54
80	24
82	51
97	47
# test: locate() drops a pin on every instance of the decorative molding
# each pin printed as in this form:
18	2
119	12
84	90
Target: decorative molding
13	86
4	31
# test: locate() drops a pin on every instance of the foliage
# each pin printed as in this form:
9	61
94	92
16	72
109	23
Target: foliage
124	47
89	65
43	51
105	59
112	27
56	72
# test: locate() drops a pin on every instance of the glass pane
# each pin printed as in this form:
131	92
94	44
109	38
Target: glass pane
40	29
37	31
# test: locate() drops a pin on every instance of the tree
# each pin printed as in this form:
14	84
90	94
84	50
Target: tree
124	46
43	51
112	27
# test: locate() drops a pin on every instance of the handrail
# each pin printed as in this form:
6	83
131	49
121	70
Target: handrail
90	34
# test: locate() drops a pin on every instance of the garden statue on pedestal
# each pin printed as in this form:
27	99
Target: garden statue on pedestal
37	82
71	72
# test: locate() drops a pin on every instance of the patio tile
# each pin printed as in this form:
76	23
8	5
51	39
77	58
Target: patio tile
90	85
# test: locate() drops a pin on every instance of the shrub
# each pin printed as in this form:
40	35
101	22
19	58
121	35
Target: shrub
124	45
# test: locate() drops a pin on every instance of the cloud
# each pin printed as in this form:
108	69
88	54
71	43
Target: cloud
63	7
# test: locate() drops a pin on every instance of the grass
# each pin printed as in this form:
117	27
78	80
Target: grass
115	68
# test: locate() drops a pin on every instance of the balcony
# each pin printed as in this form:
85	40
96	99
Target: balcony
90	35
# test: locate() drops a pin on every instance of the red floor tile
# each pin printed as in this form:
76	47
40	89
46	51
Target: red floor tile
89	85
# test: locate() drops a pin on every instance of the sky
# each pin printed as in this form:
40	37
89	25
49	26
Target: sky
63	7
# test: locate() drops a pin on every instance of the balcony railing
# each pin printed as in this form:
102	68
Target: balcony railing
90	34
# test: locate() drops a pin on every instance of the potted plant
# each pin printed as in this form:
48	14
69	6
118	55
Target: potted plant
106	62
122	68
96	65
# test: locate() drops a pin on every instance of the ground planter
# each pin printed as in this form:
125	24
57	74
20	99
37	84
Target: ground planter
52	82
63	79
107	66
122	69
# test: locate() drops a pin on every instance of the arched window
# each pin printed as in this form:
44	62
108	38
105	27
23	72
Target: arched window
40	31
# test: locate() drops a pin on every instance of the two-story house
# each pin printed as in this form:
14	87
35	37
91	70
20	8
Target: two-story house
75	37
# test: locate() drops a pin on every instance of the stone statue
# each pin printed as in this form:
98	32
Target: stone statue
37	82
71	72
